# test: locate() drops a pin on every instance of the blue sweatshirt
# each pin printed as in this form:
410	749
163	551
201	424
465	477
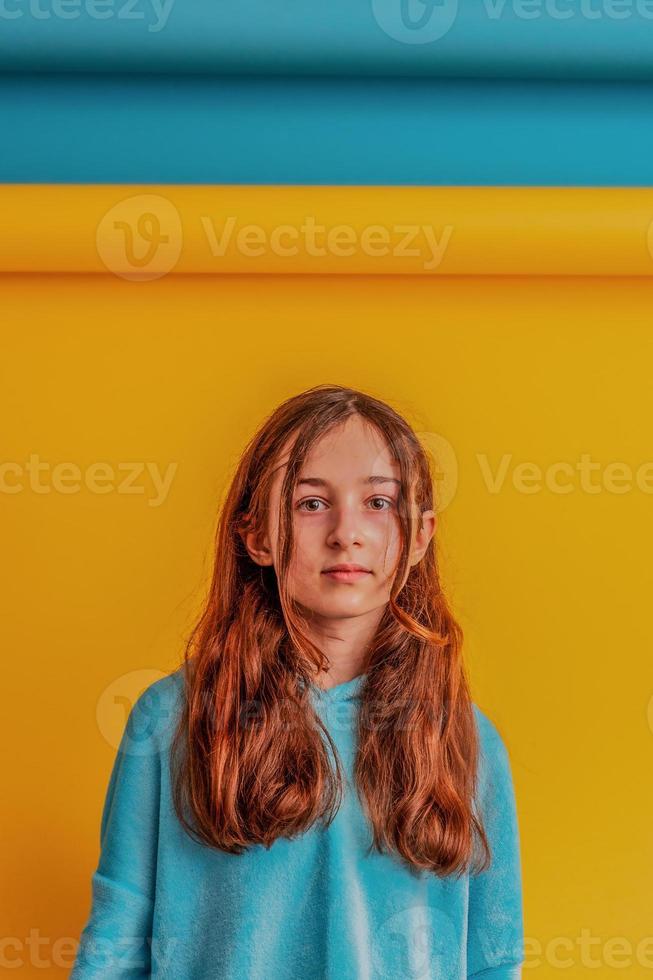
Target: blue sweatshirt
314	908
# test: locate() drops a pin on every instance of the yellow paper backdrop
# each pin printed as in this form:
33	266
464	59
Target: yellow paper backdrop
552	588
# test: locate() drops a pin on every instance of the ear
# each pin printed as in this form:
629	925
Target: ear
425	532
258	547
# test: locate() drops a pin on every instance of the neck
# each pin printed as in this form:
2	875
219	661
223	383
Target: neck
346	644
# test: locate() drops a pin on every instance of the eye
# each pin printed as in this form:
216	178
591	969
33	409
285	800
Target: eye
309	500
317	500
384	500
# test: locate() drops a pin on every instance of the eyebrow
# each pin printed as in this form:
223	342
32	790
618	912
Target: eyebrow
317	481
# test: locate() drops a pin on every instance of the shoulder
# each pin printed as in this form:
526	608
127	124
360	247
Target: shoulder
489	735
153	716
166	689
494	757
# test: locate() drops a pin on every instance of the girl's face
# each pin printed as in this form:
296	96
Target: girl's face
344	512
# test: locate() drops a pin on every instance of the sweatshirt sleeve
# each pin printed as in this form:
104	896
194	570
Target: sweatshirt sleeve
116	940
495	934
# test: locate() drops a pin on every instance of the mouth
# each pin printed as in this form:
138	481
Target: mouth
346	573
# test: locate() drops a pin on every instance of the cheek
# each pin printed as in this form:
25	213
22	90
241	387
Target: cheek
308	545
390	549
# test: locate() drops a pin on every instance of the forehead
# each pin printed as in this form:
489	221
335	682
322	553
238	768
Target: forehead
350	452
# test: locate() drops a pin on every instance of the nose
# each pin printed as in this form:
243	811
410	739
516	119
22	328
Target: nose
346	529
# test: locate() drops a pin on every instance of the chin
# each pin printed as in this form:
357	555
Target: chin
352	608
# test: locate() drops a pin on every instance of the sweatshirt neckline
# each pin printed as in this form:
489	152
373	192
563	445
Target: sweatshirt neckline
345	691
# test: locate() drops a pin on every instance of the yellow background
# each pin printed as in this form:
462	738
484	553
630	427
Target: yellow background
552	590
479	230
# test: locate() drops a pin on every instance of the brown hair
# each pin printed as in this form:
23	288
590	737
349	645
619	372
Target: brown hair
243	780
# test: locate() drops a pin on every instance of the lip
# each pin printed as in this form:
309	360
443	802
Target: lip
346	573
346	566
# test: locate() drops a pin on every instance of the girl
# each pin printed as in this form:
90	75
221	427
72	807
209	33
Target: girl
312	793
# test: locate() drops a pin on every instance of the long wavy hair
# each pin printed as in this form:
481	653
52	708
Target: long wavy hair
252	759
